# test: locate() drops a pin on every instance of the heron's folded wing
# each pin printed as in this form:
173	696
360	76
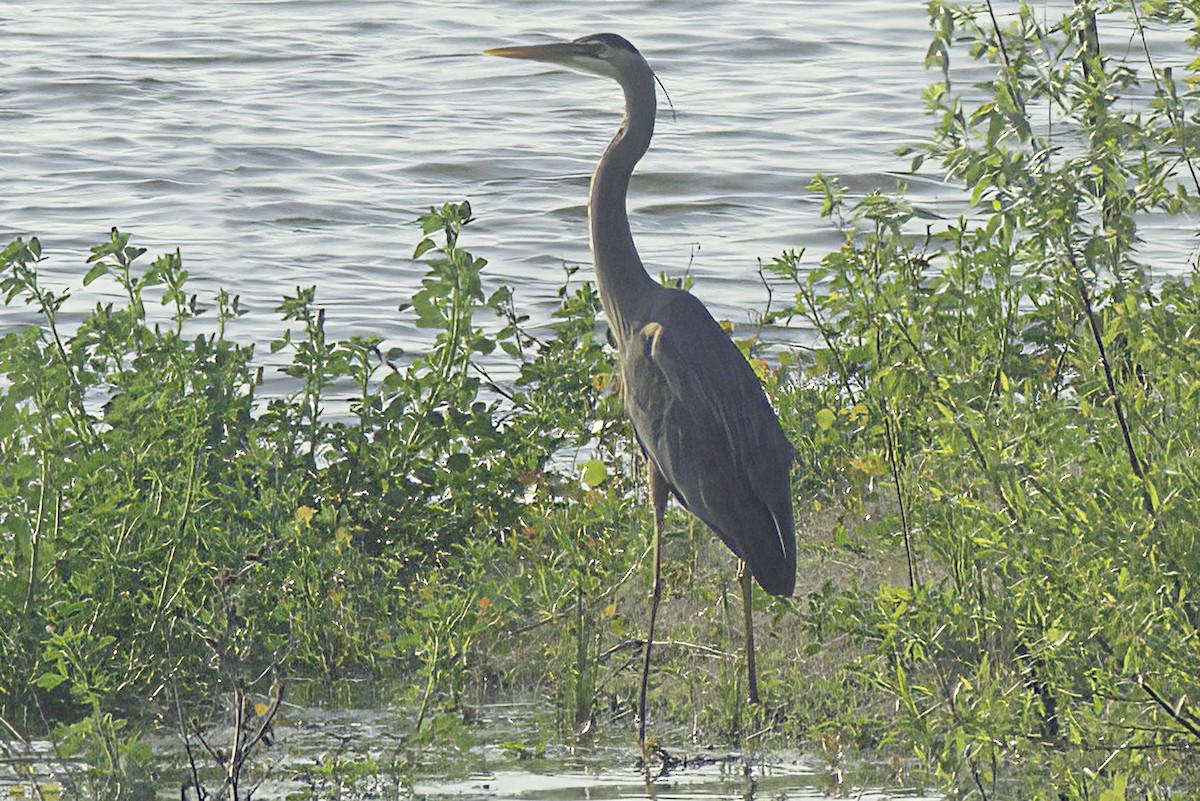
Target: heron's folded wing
701	415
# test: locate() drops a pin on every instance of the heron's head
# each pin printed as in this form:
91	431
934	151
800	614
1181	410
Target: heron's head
603	54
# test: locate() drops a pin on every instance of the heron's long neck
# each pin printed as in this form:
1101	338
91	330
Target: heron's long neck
623	282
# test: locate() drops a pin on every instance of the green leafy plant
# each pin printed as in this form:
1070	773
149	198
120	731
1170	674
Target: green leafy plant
1000	388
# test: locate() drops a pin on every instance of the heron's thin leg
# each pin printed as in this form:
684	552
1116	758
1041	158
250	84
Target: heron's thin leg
658	495
747	588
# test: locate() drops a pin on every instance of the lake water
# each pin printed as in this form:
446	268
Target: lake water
295	142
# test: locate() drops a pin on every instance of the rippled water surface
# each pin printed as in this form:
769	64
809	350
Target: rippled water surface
294	142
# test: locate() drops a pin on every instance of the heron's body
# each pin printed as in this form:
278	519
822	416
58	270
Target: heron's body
724	456
697	408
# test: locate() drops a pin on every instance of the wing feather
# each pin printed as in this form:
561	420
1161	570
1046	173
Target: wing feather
702	417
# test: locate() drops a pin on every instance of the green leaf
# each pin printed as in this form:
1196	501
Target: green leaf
1116	791
99	269
425	246
825	419
594	473
48	681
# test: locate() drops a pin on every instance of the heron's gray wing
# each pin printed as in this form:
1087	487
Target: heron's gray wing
700	413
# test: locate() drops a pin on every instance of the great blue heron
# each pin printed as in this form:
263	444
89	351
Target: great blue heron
699	412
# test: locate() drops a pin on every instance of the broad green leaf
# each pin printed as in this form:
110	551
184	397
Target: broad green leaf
594	473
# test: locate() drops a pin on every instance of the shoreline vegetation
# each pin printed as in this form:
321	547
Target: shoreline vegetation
998	490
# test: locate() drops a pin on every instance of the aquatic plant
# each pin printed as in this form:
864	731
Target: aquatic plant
1019	396
147	487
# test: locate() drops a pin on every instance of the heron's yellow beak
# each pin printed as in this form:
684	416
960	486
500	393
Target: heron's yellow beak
557	53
